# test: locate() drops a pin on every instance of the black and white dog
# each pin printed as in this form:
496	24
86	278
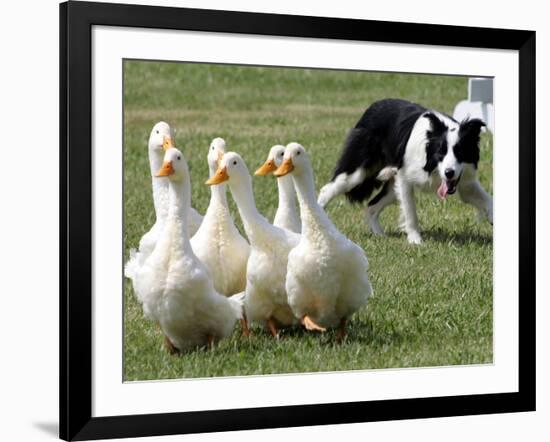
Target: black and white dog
402	146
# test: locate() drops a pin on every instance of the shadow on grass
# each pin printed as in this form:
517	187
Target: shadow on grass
364	333
462	238
358	331
444	237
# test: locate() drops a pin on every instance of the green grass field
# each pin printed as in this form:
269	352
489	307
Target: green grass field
432	304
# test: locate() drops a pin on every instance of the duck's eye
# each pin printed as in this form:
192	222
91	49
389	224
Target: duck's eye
281	154
298	153
157	132
179	157
212	147
234	162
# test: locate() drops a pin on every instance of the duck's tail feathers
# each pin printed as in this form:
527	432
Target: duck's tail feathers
237	304
132	265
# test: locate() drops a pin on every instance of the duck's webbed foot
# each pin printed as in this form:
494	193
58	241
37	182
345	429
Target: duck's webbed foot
169	346
311	325
273	327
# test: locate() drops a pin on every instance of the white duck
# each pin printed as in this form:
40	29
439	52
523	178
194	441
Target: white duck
195	221
218	243
327	277
160	139
176	287
286	216
265	295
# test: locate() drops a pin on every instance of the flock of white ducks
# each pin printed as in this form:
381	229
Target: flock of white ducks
197	276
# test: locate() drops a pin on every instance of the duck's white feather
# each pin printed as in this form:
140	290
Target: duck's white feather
266	295
327	273
195	221
158	135
160	132
221	248
176	288
218	243
286	216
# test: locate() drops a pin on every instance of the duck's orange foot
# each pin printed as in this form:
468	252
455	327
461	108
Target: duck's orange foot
341	333
244	326
169	346
273	328
311	325
210	341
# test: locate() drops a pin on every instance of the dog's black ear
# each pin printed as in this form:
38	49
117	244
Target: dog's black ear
467	148
471	129
438	127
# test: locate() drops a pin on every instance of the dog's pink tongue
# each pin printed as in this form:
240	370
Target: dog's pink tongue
442	189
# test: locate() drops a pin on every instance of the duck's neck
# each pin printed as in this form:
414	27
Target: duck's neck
254	223
160	186
179	193
314	218
218	193
287	194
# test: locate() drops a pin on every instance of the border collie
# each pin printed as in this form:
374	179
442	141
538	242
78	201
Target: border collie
401	146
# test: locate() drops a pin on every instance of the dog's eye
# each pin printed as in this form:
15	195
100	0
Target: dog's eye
157	132
281	154
179	157
235	163
212	147
298	153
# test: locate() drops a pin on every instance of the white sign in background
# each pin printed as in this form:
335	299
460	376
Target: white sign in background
113	397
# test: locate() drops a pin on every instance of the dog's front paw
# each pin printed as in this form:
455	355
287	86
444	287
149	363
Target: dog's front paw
414	238
372	220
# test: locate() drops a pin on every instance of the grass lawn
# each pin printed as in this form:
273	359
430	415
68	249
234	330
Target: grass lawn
432	304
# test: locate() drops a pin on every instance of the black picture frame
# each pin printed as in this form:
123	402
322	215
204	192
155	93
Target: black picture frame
76	21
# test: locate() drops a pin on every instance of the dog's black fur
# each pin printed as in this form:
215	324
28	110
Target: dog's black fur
381	135
404	146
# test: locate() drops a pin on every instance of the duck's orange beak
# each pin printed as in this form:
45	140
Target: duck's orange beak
166	170
284	168
268	167
167	143
219	177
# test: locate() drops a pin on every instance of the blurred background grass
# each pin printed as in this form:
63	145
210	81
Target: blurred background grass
432	304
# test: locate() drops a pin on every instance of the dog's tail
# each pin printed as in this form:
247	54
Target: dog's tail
359	170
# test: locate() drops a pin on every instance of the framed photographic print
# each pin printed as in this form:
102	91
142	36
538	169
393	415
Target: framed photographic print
272	220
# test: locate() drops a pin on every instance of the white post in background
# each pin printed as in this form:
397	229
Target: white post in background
479	103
